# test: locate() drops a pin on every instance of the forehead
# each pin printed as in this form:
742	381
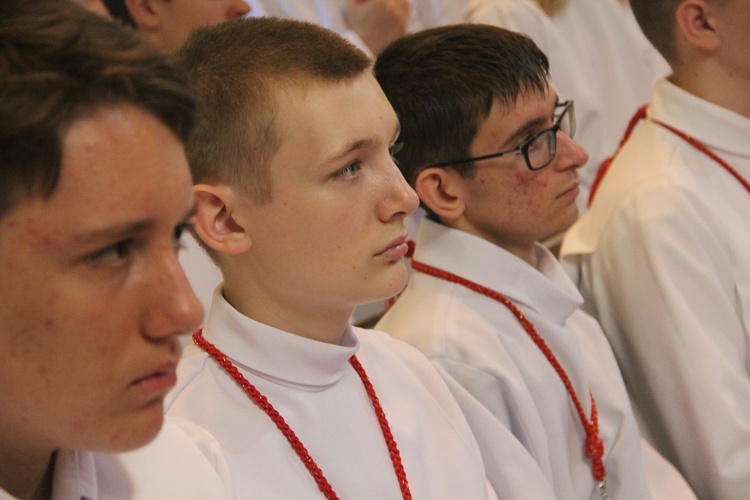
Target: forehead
119	165
319	119
504	121
126	151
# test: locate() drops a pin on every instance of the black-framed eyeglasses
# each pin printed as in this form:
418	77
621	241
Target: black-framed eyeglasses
538	150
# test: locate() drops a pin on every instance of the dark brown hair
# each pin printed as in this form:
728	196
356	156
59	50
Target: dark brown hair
443	82
59	62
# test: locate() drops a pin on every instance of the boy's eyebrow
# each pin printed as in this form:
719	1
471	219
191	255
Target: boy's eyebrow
127	228
524	130
353	146
360	144
528	127
113	232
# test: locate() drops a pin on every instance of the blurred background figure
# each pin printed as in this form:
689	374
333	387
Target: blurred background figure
167	23
369	24
661	256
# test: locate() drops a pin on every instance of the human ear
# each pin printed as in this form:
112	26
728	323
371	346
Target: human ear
145	13
440	189
696	22
216	223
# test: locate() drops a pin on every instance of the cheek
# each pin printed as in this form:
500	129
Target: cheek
516	193
530	192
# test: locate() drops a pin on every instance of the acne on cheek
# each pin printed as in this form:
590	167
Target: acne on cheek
50	242
103	351
115	438
50	325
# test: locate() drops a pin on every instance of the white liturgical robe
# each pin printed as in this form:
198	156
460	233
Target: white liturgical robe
663	261
501	378
183	462
331	14
317	392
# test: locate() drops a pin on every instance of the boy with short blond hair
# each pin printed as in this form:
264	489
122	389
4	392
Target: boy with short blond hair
303	209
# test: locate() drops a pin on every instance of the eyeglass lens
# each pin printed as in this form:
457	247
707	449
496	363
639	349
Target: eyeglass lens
542	149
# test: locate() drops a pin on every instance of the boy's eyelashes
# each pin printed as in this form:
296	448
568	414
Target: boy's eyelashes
394	150
352	168
114	255
179	231
349	171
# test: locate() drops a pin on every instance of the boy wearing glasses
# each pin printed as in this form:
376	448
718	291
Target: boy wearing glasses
488	147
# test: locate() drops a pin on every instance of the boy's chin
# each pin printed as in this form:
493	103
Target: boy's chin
396	282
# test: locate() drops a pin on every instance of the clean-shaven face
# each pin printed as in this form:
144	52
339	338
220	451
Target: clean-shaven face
508	204
333	235
92	294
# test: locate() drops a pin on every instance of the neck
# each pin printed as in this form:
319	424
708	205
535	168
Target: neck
713	83
308	320
527	255
26	477
521	247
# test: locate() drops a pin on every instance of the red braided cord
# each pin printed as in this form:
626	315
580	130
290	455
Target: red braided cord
640	115
703	149
403	482
259	399
594	447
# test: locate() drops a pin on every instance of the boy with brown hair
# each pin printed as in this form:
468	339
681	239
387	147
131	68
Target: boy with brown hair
488	145
95	194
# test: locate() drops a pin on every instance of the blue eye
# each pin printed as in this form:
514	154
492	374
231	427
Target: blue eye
349	172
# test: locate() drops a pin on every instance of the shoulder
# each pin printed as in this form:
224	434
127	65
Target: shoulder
183	461
379	345
390	356
647	190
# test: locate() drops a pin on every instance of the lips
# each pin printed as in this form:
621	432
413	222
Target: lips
160	380
572	191
395	250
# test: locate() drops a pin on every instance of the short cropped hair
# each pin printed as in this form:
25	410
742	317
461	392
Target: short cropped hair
657	21
443	82
239	70
59	63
